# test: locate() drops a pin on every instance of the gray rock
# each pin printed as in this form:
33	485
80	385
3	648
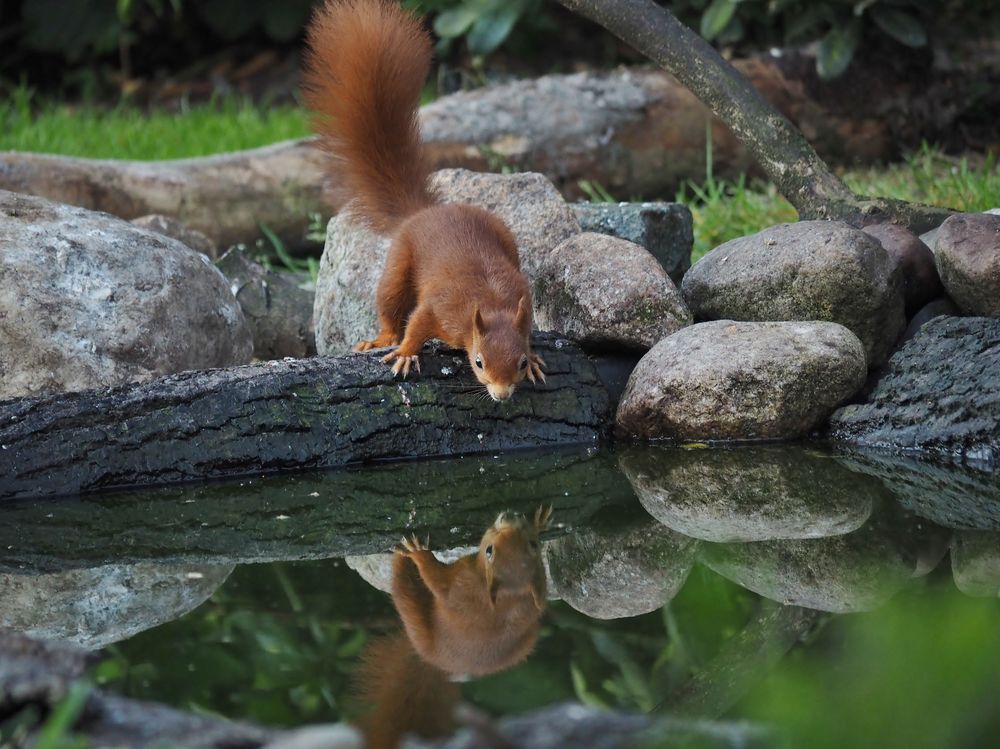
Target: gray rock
330	736
728	380
975	563
940	394
754	493
171	227
665	229
855	572
940	307
613	572
98	606
915	260
88	300
968	259
278	311
344	306
949	494
354	256
376	569
607	292
810	270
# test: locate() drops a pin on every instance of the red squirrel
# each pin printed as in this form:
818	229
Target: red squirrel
474	617
453	271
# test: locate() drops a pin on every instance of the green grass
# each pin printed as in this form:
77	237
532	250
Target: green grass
724	210
126	132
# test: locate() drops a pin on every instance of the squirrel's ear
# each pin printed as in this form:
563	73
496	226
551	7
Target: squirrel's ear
522	320
478	323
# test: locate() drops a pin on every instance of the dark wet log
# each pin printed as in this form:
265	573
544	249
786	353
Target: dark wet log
288	415
307	515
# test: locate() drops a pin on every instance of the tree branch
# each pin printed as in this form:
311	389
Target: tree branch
780	148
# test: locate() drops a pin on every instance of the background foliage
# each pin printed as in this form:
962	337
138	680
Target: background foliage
148	34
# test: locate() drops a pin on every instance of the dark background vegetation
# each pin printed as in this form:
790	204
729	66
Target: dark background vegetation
109	47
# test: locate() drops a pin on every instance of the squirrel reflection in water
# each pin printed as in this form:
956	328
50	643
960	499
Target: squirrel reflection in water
474	617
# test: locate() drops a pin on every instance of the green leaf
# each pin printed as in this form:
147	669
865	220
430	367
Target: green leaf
837	49
455	22
489	32
716	18
900	25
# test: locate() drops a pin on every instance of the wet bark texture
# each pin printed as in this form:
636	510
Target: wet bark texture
287	415
778	146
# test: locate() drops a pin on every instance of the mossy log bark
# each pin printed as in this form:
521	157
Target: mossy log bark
288	415
778	146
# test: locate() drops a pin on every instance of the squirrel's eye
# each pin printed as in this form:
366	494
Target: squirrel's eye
479	363
523	363
489	551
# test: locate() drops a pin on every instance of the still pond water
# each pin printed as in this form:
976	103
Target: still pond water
838	599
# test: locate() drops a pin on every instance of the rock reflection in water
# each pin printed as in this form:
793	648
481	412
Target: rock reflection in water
756	493
952	495
619	569
975	563
102	605
476	616
858	571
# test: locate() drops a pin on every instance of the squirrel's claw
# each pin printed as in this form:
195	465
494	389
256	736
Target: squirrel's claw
535	364
375	343
402	363
412	545
543	517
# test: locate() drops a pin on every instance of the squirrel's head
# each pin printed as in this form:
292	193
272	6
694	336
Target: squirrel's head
511	556
500	348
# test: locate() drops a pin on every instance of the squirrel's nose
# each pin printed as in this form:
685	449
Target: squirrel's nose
499	392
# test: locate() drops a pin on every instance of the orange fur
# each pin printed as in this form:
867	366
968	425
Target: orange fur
480	614
453	271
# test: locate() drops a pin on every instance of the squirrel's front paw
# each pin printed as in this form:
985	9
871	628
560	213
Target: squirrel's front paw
413	545
402	363
535	364
380	342
543	517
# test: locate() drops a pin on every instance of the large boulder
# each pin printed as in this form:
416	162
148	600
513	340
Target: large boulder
354	257
810	270
621	569
726	380
88	300
752	493
607	293
940	394
858	571
665	229
968	259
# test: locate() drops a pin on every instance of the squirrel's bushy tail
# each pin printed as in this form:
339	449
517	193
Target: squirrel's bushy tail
365	69
399	693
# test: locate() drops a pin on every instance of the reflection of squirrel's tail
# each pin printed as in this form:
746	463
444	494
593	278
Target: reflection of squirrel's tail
366	67
401	694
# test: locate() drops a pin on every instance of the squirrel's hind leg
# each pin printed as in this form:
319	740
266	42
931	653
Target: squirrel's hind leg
396	297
